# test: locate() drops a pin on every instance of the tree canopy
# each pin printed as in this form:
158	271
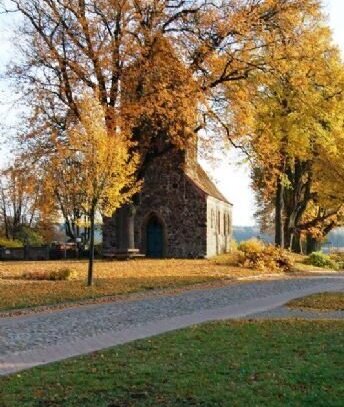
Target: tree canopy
263	74
296	129
69	47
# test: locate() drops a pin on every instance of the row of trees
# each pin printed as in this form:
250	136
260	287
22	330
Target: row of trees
87	172
296	139
114	83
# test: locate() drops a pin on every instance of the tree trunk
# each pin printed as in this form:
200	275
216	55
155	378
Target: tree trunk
287	232
91	250
313	245
290	230
69	229
279	226
291	241
296	243
7	234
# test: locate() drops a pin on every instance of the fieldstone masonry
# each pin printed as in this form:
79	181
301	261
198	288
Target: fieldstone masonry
179	213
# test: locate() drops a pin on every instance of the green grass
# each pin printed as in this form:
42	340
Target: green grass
283	363
322	302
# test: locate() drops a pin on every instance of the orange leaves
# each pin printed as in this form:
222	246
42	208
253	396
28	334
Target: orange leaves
250	70
160	96
149	59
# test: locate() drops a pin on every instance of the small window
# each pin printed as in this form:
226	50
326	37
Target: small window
228	224
218	222
212	219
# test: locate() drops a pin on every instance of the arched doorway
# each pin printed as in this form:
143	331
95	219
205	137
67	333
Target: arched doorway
155	238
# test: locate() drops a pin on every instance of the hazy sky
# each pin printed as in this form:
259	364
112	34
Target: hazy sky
231	178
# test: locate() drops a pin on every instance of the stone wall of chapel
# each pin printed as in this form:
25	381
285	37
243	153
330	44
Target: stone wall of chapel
219	227
115	231
109	233
195	225
181	207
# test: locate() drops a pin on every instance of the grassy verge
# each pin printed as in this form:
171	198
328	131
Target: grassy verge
322	302
301	264
111	279
292	363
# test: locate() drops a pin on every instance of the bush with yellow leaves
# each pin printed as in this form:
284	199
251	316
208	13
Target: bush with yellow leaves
255	254
61	274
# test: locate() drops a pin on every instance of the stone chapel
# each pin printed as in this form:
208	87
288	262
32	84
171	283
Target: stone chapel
179	213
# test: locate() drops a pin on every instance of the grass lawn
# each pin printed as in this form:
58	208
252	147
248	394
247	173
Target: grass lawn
111	278
283	363
323	302
301	264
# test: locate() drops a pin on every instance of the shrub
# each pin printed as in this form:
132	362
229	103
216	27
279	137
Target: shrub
255	254
234	246
338	258
30	236
319	259
280	258
251	246
228	259
62	274
10	244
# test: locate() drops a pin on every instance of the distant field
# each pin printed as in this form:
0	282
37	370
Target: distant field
282	363
111	278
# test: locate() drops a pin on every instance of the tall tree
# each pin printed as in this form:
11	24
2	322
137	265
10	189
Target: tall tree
297	126
162	70
69	47
19	198
97	166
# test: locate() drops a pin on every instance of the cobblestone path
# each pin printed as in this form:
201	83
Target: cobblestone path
41	338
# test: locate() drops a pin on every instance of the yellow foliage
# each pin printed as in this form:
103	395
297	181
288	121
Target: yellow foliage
295	124
95	167
251	245
254	253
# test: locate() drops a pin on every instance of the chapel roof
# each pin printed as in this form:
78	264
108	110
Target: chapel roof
201	179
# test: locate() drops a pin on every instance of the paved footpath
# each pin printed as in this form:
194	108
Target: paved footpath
38	339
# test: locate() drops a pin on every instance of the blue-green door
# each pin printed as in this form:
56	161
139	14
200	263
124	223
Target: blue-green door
155	239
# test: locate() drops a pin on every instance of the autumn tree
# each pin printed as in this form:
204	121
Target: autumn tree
162	70
326	209
19	197
69	47
297	125
62	193
97	167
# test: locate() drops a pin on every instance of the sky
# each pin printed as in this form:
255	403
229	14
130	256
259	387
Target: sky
230	174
